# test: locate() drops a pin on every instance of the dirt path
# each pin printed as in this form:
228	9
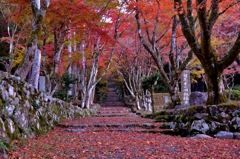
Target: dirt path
115	132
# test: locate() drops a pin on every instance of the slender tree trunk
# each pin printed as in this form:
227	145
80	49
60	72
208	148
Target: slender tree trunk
56	58
75	86
88	98
36	69
152	98
83	76
70	72
138	103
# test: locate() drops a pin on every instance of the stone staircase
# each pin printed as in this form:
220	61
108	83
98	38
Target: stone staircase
112	99
113	116
114	119
115	111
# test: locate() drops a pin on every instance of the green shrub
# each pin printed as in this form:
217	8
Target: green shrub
236	87
67	81
156	80
235	94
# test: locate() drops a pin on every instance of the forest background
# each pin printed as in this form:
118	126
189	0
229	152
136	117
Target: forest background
80	46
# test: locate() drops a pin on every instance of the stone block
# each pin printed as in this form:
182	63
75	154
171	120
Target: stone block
200	126
224	135
197	98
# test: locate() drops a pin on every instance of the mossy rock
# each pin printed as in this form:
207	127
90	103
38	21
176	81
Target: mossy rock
43	121
191	110
162	118
15	134
155	115
165	126
86	113
55	109
228	105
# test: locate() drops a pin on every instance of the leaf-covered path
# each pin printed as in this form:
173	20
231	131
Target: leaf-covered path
115	132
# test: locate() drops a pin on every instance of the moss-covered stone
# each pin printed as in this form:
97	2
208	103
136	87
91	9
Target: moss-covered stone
162	118
228	105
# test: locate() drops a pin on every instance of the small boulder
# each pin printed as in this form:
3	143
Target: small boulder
235	123
224	117
200	126
172	125
199	116
197	98
235	113
224	135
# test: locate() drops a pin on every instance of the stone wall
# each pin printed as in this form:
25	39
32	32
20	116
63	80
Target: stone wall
207	120
25	112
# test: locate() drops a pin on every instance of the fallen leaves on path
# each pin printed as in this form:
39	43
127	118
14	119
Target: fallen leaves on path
103	138
61	144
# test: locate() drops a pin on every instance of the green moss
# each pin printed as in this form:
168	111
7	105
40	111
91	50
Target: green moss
162	118
33	35
42	121
165	126
1	104
35	106
229	105
55	109
155	115
191	109
44	127
86	113
14	135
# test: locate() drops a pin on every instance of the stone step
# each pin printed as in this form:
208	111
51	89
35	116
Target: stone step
115	115
115	130
112	98
113	103
113	112
114	108
121	126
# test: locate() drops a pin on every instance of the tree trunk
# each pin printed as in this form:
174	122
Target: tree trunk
152	97
36	69
138	102
88	98
28	61
174	95
216	92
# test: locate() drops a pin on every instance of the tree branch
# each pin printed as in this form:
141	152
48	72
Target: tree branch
186	29
232	54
